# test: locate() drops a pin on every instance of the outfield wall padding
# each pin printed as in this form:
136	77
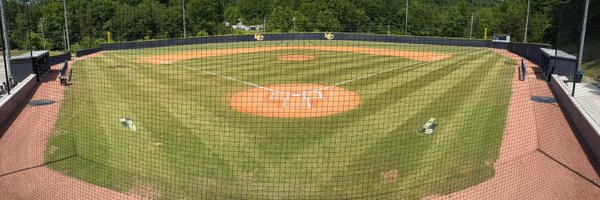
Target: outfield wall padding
531	52
57	59
413	40
87	52
587	129
299	36
176	42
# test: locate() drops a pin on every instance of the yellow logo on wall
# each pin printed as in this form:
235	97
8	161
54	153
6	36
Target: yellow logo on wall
329	35
259	37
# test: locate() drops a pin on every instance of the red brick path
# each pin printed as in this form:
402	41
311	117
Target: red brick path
540	156
22	146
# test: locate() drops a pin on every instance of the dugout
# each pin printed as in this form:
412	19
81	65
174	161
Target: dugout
23	65
560	63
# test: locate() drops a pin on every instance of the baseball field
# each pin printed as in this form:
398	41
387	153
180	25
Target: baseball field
284	120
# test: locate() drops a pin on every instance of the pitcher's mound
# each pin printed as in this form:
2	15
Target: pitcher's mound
296	58
295	100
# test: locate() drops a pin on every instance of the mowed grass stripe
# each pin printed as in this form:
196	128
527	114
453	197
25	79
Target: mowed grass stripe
289	158
410	73
454	117
350	138
223	145
354	69
187	101
474	126
271	66
148	90
194	164
321	73
405	82
367	171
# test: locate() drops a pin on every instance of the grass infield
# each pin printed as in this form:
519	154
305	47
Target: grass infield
191	144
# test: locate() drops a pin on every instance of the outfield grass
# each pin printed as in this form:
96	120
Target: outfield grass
190	144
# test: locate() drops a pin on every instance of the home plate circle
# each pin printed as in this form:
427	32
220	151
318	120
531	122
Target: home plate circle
295	100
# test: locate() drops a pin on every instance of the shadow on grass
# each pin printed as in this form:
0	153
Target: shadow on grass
38	166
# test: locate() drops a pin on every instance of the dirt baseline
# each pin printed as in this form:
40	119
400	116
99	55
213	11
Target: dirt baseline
175	57
295	100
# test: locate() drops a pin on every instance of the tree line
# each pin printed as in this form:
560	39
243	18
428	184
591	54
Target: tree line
40	24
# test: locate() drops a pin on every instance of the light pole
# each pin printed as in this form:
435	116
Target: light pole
42	29
6	44
406	20
527	21
66	25
471	32
183	10
581	44
29	29
294	20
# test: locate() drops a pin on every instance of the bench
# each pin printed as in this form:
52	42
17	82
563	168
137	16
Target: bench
63	77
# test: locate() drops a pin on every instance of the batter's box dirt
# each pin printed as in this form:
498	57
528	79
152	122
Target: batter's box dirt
295	100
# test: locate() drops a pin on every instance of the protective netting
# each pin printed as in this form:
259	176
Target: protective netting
299	111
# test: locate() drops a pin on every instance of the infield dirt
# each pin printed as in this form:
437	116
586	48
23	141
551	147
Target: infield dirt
295	101
413	55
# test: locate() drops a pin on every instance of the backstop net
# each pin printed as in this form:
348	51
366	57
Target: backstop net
295	111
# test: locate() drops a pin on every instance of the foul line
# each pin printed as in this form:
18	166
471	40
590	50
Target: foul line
371	75
210	73
222	76
272	90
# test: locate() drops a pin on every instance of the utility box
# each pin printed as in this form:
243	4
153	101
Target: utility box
560	63
23	65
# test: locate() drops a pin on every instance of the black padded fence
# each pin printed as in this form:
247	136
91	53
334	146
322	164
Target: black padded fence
531	52
298	36
61	58
87	52
175	42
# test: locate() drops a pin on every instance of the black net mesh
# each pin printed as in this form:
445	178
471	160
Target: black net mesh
303	103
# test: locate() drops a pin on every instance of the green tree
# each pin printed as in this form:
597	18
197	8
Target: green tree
205	15
232	14
326	21
280	19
